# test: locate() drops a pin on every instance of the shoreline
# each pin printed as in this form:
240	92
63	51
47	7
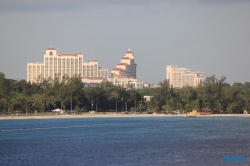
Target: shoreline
114	115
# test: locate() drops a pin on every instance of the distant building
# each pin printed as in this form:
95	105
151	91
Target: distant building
124	74
181	77
91	69
60	65
146	85
126	67
147	98
103	73
126	82
93	80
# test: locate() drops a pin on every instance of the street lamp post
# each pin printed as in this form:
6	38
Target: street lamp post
116	107
92	106
122	103
135	106
96	106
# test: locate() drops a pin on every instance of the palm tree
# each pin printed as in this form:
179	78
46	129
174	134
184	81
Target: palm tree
140	106
26	105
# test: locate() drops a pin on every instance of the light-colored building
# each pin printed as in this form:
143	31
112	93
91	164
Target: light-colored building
91	69
147	98
181	77
124	75
126	82
126	67
35	72
93	80
103	73
60	65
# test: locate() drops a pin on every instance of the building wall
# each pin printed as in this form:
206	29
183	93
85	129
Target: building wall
35	72
103	73
63	65
181	77
126	82
90	69
126	67
92	80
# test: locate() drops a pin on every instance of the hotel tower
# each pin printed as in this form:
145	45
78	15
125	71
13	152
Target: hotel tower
60	65
181	77
124	74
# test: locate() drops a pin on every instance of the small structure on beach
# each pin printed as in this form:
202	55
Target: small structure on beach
204	111
58	111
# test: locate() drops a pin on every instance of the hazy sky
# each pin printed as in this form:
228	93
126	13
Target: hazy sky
212	36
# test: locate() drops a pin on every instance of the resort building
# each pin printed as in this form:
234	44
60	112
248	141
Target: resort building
181	77
60	65
91	69
103	73
126	82
93	80
124	74
126	67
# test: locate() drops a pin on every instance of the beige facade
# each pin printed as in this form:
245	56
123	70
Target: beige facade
35	72
91	69
103	73
181	77
93	80
126	67
60	65
126	82
124	75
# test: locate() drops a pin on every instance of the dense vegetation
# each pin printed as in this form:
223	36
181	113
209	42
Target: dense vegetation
71	93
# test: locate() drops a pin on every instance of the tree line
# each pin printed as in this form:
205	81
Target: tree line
72	94
214	94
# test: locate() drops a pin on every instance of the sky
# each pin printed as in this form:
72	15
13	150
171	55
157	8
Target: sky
211	36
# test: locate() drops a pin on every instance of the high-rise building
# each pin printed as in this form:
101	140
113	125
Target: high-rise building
181	77
124	74
126	67
91	69
60	65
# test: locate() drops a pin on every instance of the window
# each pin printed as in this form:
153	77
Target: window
51	53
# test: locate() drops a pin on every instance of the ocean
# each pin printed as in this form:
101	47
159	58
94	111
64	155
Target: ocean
125	141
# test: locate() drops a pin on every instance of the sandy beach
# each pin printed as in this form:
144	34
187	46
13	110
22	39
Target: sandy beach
114	115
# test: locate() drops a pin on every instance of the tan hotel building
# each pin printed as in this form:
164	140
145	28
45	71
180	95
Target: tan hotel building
181	77
59	65
126	67
124	74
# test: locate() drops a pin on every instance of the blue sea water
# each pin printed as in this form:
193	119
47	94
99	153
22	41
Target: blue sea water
124	141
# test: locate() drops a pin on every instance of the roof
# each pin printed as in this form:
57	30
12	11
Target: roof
123	64
125	58
118	69
67	54
93	78
117	76
93	60
51	48
129	51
